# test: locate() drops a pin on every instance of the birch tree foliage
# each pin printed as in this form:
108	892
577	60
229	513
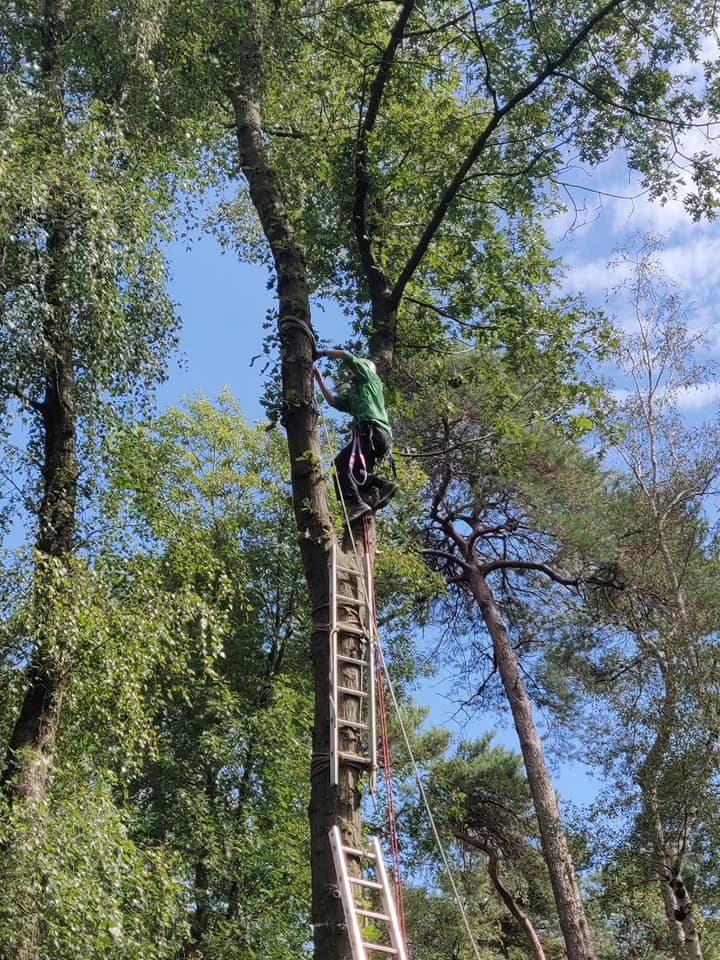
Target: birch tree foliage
95	177
69	862
644	663
81	159
207	497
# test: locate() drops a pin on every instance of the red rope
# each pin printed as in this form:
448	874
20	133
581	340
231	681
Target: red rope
385	752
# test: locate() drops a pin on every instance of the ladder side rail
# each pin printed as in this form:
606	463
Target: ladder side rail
370	653
347	895
372	717
334	713
396	936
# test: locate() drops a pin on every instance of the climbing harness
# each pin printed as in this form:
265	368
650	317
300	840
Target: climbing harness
357	453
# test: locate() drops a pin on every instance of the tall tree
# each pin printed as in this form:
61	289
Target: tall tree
409	217
510	491
85	324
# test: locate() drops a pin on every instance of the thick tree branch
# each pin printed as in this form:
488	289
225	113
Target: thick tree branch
444	555
362	180
487	568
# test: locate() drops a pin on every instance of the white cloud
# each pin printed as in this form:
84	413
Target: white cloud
691	399
695	265
592	278
642	215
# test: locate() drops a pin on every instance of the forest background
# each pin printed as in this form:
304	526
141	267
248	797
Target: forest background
156	692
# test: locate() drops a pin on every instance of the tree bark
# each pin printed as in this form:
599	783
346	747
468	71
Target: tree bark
329	806
32	745
668	858
571	912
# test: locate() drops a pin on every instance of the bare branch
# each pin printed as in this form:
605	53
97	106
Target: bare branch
35	405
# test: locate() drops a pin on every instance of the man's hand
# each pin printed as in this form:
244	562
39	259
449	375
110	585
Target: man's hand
323	387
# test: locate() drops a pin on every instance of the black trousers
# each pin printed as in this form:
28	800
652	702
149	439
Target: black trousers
373	443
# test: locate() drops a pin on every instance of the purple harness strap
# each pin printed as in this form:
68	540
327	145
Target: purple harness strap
357	452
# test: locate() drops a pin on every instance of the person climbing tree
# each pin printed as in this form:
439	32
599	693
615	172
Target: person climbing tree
360	489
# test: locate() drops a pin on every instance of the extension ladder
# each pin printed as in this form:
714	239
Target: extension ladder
364	741
374	883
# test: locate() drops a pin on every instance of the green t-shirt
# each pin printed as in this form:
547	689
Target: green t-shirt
364	397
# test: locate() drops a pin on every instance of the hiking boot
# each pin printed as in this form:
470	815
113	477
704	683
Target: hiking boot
382	493
357	510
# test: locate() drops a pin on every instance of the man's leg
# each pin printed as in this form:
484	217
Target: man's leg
352	498
380	491
376	490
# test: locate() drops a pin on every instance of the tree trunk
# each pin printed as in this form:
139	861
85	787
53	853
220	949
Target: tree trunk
30	752
329	806
668	859
684	914
667	854
571	912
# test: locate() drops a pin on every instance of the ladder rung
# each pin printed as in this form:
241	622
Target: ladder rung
352	570
353	690
356	852
371	914
378	947
355	724
362	882
353	660
355	758
354	630
355	600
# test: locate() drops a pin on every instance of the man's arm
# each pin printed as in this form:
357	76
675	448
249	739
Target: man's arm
334	354
329	397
